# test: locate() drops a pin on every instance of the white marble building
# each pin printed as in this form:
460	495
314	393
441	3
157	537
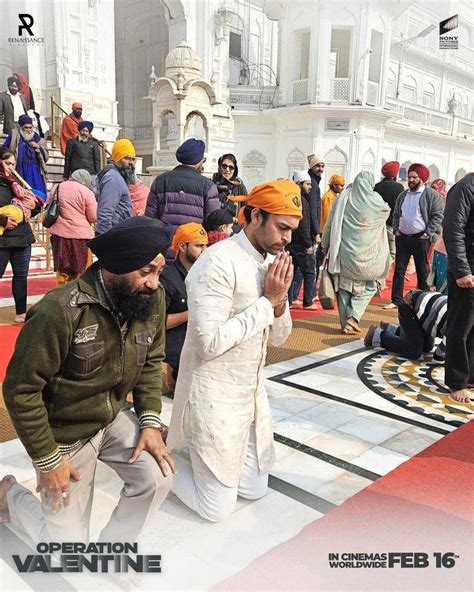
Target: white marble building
360	81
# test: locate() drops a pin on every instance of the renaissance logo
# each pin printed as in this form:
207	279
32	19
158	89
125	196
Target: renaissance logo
25	31
92	557
416	560
448	41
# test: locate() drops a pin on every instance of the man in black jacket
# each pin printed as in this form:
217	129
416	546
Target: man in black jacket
390	189
301	246
82	152
458	234
316	169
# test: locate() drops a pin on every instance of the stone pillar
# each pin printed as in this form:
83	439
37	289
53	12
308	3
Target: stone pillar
324	50
387	46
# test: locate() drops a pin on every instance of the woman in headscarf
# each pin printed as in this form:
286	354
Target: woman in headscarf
17	236
229	183
356	244
72	229
439	265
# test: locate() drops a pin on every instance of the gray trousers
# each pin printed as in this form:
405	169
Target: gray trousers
144	487
391	242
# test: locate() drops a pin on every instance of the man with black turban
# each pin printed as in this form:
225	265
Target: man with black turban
85	346
12	105
82	152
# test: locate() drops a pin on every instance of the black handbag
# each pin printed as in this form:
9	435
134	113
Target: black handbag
51	210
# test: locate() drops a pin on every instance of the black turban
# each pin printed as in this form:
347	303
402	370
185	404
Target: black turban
213	220
12	79
131	244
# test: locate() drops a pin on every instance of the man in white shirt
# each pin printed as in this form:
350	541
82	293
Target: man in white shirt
417	219
237	301
12	105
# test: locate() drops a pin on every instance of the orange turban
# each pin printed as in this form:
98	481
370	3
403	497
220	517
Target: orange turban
281	197
76	106
121	149
189	233
337	180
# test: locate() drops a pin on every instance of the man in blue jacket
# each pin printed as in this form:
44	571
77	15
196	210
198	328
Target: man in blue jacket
114	202
183	195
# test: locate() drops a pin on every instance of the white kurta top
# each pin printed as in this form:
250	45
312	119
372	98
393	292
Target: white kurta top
220	376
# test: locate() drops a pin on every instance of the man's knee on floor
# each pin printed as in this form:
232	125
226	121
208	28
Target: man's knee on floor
215	513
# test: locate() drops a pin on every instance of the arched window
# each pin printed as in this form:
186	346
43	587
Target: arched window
253	168
196	126
409	90
466	107
428	98
336	163
368	162
168	131
391	85
296	161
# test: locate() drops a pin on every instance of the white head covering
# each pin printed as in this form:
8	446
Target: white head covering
314	159
300	176
82	176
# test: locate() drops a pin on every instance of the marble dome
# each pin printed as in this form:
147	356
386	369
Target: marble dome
183	59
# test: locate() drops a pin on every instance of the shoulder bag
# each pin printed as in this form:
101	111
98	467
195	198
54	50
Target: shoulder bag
51	210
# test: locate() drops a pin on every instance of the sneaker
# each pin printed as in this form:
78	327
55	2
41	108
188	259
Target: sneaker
369	337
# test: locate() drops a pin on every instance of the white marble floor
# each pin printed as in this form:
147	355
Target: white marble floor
327	450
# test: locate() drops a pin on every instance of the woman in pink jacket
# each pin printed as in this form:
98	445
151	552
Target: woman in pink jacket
72	229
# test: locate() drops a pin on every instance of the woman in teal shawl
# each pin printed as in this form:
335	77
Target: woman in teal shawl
356	244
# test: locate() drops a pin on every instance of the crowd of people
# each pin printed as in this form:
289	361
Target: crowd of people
201	274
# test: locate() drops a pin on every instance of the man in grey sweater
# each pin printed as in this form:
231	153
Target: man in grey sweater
417	219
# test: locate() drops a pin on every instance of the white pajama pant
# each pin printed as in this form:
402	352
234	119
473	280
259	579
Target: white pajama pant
198	488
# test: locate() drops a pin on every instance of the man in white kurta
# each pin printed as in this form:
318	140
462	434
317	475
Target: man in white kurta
237	302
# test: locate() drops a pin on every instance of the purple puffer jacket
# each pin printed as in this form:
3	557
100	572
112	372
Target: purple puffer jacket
180	196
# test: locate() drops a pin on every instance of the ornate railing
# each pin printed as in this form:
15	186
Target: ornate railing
340	89
300	90
253	98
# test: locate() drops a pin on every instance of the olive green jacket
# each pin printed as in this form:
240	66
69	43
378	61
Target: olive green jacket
74	365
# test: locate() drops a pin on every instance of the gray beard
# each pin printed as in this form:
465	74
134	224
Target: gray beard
27	136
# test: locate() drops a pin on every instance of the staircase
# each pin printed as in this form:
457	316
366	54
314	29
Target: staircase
54	166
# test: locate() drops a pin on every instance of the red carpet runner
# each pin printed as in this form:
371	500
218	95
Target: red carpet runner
35	286
8	337
424	506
